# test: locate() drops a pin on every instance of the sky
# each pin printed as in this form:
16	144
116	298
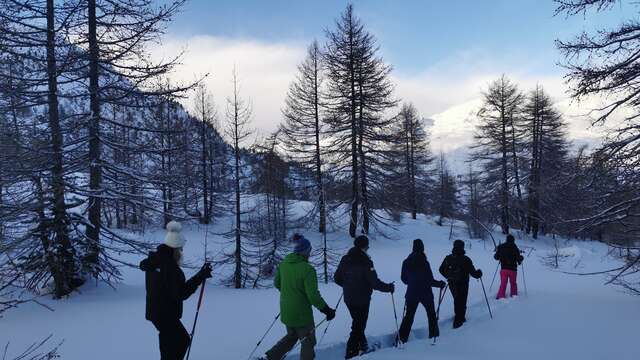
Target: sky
443	53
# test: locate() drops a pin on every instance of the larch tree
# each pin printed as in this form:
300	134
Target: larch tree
359	94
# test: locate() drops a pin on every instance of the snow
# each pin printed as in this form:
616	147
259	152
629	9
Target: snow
561	316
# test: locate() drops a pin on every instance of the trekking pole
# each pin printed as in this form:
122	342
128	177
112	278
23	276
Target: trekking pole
329	323
263	336
200	297
524	281
300	341
395	315
441	296
486	298
193	329
494	276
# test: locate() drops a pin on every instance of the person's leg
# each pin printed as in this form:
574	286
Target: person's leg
503	284
307	337
464	294
513	279
457	293
364	344
407	321
283	346
353	343
429	306
163	340
183	339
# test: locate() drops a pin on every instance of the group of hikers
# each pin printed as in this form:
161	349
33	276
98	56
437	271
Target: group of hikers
297	282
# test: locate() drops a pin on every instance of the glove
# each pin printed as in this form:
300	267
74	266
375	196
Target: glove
391	288
479	273
205	272
329	312
442	284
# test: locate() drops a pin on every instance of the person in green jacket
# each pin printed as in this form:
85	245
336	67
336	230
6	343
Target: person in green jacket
298	284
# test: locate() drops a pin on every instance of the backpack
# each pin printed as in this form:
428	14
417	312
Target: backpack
453	270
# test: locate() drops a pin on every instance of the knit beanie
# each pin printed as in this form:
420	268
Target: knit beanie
174	239
458	244
302	245
361	242
511	239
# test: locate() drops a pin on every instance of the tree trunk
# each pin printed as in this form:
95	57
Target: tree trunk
95	166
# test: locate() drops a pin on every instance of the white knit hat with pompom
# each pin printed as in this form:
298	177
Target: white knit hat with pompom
174	239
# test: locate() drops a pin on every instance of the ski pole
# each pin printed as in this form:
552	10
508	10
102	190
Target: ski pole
395	315
443	292
524	281
329	323
195	321
263	336
494	276
300	341
486	298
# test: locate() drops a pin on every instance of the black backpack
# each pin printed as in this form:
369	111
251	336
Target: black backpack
453	270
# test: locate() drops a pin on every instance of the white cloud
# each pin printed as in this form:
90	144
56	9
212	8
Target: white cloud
264	70
448	91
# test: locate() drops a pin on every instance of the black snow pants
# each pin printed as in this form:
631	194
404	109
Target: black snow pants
174	339
357	339
407	321
460	292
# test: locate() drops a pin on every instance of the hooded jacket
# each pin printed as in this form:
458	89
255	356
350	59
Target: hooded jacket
166	285
417	274
509	255
457	267
298	284
358	278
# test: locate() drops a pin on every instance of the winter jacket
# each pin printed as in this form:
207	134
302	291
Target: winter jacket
358	278
509	256
457	267
298	284
417	275
166	285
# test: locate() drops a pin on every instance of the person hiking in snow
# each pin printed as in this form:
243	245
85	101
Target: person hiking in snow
417	275
457	267
509	256
358	278
167	288
298	284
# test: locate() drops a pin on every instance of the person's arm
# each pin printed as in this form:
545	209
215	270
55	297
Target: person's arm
443	268
431	282
338	277
375	282
497	254
472	269
404	275
520	257
311	289
180	289
276	280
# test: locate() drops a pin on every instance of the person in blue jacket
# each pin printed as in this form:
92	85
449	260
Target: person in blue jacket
417	275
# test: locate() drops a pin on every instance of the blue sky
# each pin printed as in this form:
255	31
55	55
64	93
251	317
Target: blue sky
411	33
444	53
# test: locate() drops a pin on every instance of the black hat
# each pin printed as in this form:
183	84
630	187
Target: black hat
511	239
361	242
418	245
458	244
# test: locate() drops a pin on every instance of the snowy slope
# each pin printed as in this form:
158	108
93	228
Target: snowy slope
563	316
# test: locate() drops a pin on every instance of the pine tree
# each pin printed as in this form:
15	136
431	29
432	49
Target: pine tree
302	128
359	93
495	143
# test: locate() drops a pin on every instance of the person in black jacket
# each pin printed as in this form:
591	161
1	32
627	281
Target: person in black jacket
417	275
509	256
166	289
358	278
457	268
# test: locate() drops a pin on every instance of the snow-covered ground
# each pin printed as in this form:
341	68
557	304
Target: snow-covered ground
562	316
